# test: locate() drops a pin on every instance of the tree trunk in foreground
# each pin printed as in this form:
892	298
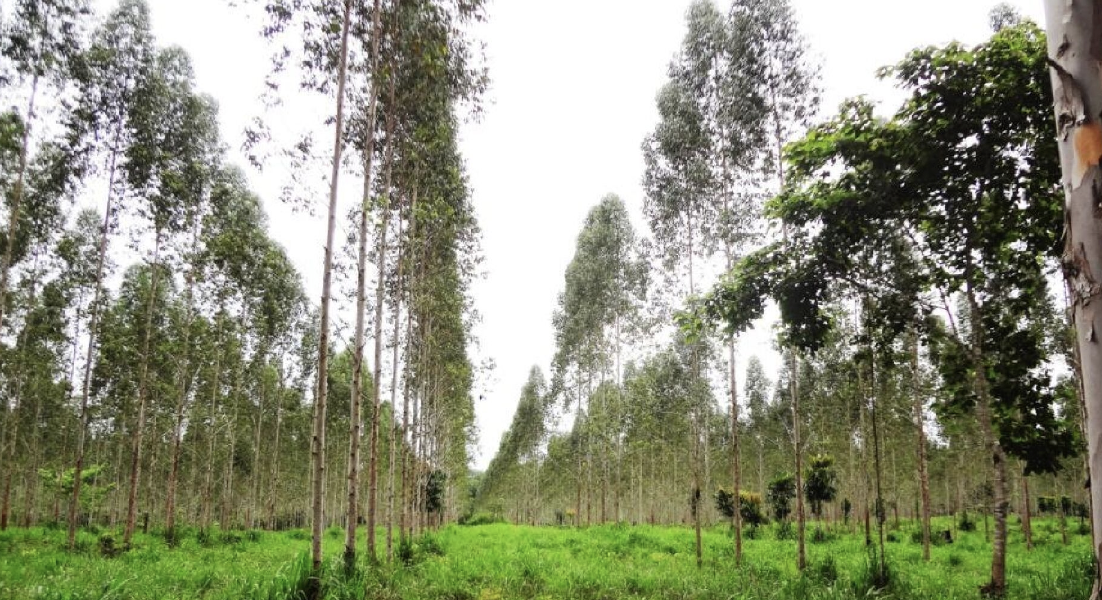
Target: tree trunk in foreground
1075	55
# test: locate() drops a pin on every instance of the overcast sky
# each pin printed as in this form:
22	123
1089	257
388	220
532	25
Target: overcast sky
572	98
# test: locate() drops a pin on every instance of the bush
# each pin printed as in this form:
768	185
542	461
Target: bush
229	538
481	518
107	547
966	523
826	571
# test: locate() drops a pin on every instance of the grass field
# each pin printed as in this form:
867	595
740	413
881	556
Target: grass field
500	561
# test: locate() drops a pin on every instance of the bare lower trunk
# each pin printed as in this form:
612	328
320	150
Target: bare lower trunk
275	453
1027	525
997	585
183	391
736	474
923	472
212	430
801	556
394	433
143	397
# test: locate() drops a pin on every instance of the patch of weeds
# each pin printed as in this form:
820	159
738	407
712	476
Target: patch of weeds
107	547
229	538
430	544
826	571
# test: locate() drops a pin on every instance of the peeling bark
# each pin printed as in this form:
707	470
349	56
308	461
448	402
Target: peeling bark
1075	55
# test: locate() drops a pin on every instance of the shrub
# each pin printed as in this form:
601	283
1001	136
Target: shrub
966	523
826	571
107	547
781	492
481	518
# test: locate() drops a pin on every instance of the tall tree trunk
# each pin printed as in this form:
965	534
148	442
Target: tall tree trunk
93	323
923	471
9	452
253	510
394	433
997	585
797	446
143	397
380	288
274	477
1027	525
212	430
318	438
1075	54
355	421
183	391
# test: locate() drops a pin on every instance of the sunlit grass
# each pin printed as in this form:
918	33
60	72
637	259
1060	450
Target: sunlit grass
499	561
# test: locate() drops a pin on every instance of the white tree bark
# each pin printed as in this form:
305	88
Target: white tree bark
1075	55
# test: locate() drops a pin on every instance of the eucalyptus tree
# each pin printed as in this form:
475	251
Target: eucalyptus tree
375	35
757	386
1077	92
519	445
107	74
602	280
168	165
38	41
197	155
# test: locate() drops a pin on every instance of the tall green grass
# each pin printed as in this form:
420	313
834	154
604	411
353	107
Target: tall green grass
502	561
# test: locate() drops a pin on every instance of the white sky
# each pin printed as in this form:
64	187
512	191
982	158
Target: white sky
572	98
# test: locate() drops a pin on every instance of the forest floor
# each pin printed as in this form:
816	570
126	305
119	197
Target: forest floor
501	561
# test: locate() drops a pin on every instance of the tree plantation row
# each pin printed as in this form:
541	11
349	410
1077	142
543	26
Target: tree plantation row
927	365
160	362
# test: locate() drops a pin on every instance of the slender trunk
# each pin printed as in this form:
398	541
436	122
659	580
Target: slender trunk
16	201
183	391
793	387
93	322
923	471
1075	55
1027	525
275	453
212	430
881	513
143	394
394	402
318	438
355	421
228	507
380	288
997	585
9	452
253	510
403	518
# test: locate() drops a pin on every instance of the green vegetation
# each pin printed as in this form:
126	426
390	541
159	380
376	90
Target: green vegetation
502	561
